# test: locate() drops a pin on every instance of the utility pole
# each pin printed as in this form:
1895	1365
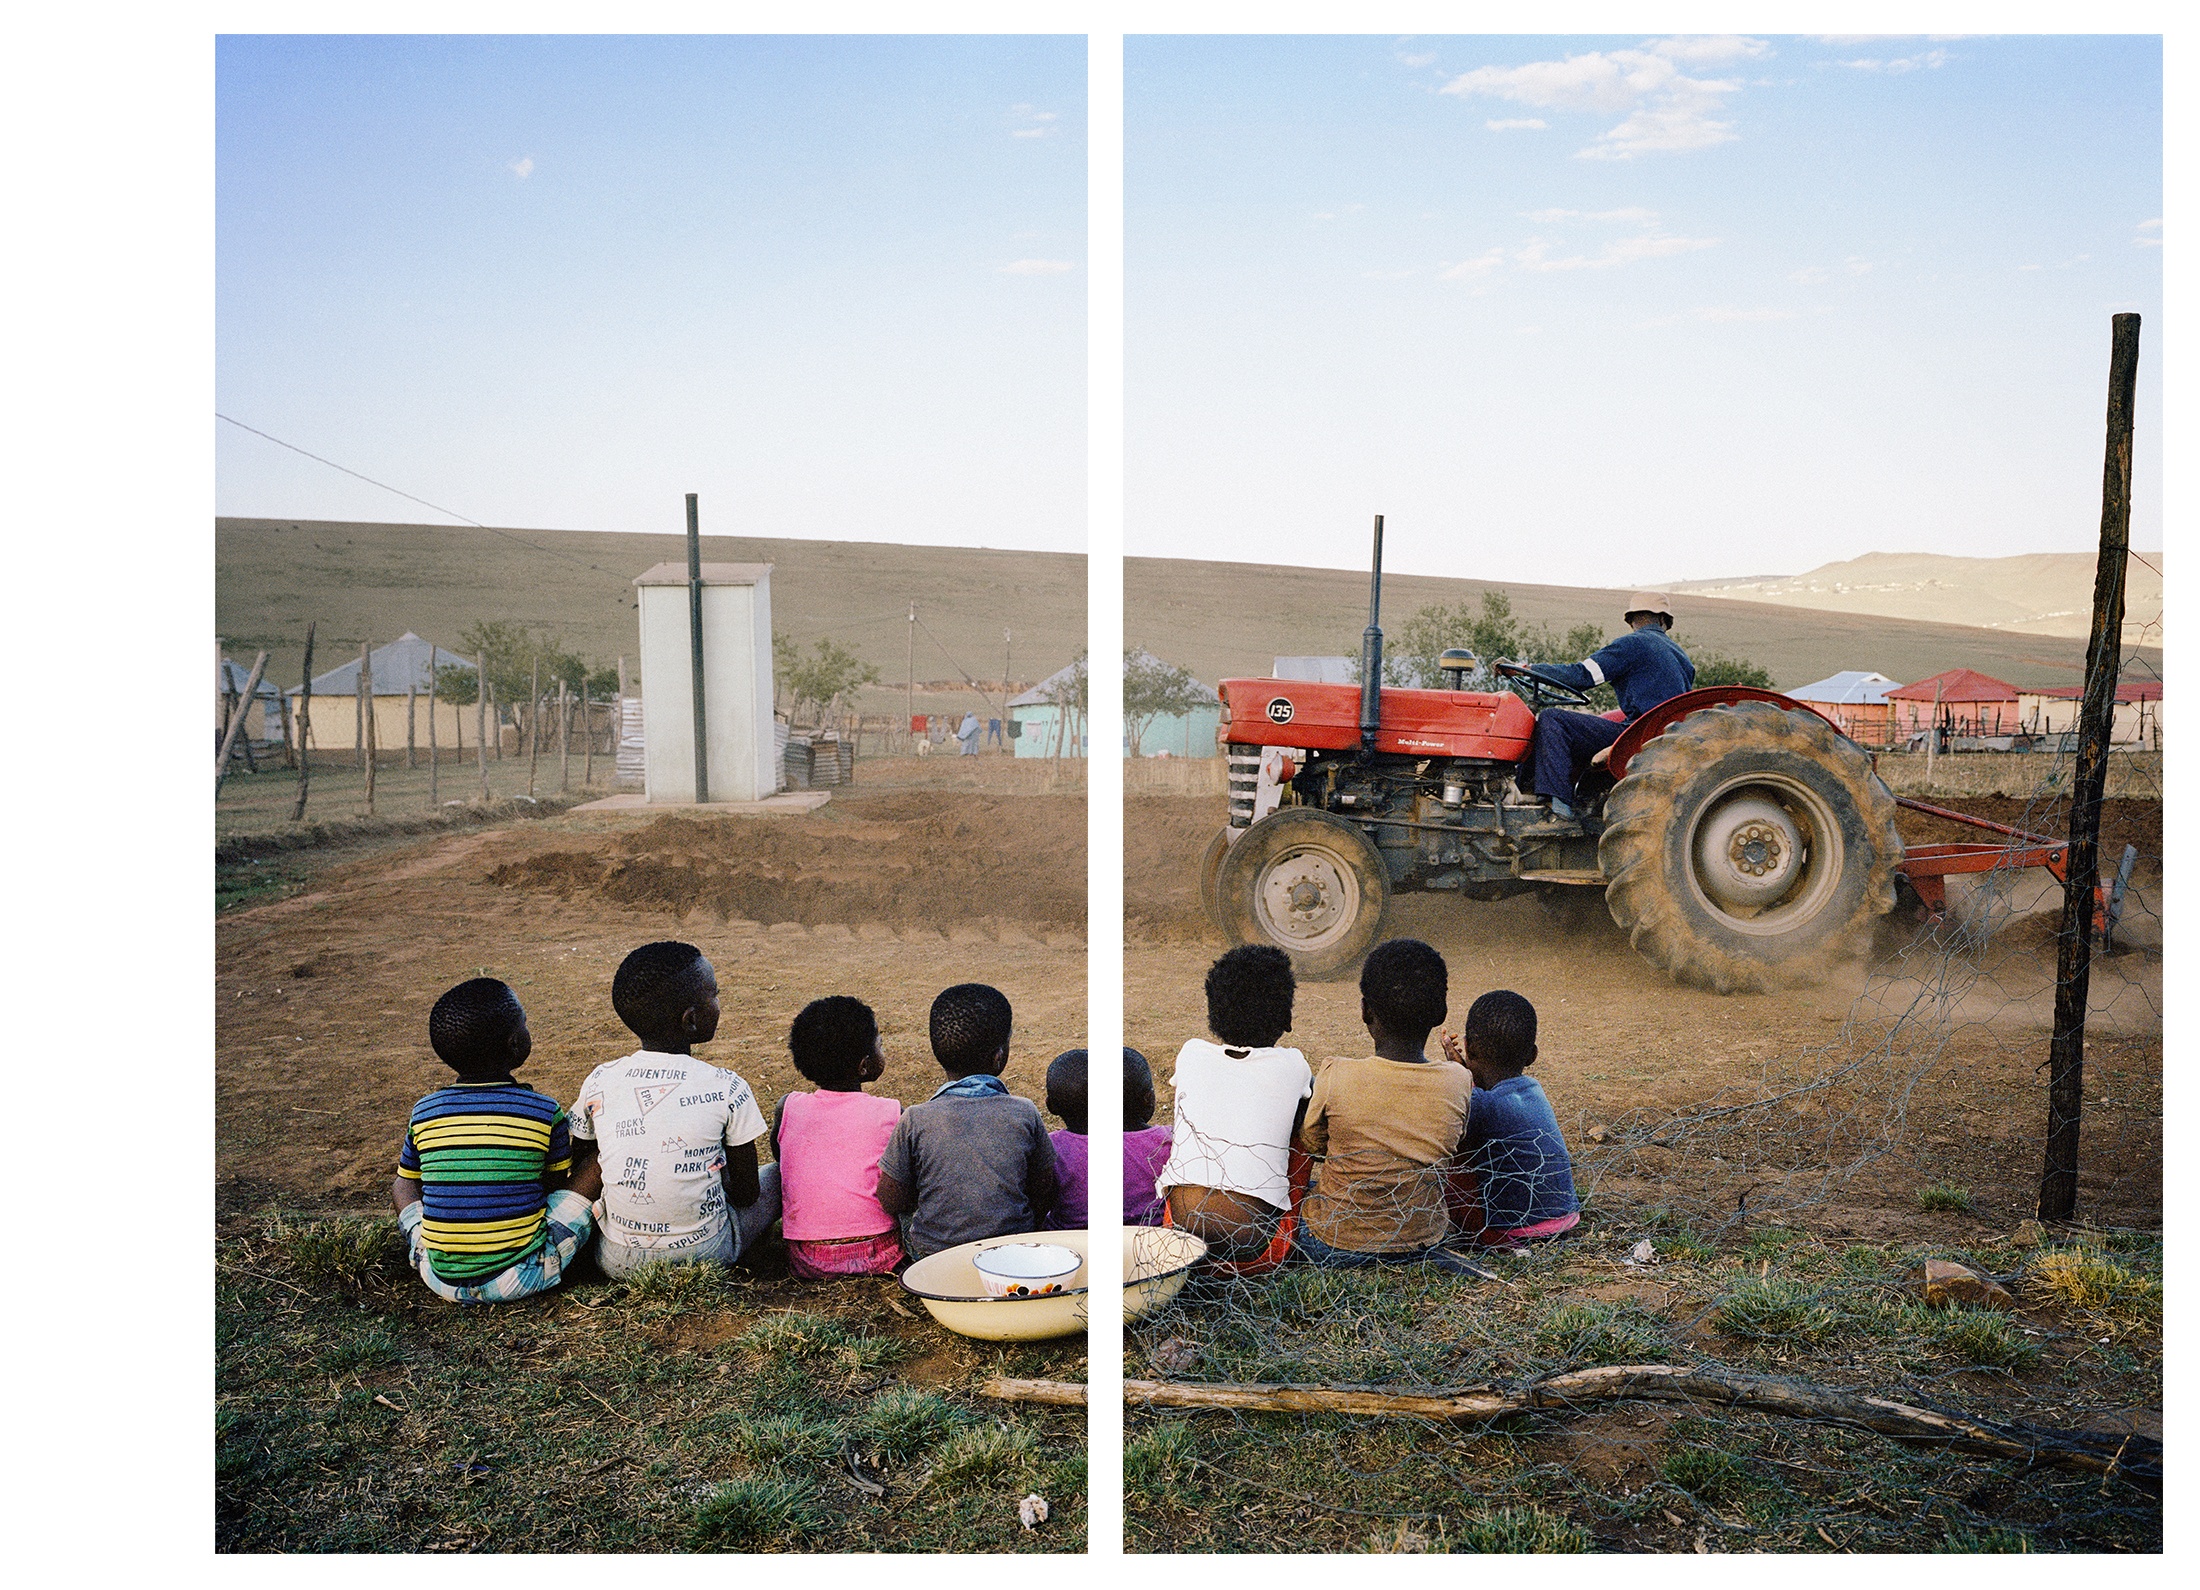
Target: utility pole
695	651
912	717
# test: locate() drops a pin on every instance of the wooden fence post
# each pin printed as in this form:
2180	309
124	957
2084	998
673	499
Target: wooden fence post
282	709
481	720
588	741
366	696
412	708
2096	717
565	736
534	723
236	723
433	791
305	728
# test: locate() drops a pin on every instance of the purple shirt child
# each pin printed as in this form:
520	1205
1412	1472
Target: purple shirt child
1071	1164
1145	1152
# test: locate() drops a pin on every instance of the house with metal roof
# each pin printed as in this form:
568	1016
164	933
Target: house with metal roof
1855	700
399	675
1047	720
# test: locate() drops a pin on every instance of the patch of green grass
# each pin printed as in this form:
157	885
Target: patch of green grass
1708	1472
2099	1286
1306	1294
346	1252
1982	1336
1986	1540
903	1422
778	1439
1862	1259
1519	1530
372	1347
1772	1309
1157	1463
1771	1242
1601	1333
677	1287
1944	1197
795	1336
754	1512
986	1454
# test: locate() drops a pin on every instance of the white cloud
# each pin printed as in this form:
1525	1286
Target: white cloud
1815	275
1535	254
1517	124
1472	270
1032	122
1037	267
523	167
1929	61
1418	60
2140	238
1664	110
1634	214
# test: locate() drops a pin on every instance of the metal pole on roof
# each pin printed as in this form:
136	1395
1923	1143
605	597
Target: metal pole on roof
695	650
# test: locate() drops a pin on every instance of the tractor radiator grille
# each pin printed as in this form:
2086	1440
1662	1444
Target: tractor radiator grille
1244	778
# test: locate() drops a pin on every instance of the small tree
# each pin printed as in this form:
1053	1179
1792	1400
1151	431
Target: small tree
1069	696
821	678
456	683
1718	668
1154	689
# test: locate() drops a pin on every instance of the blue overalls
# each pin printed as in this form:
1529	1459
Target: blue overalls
1644	667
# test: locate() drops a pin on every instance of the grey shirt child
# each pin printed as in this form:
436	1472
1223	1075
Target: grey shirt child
973	1166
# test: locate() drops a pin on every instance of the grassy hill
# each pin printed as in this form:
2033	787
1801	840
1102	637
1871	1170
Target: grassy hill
375	581
2045	593
1225	619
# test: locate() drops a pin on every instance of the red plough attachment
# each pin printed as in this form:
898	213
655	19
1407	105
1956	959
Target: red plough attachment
1928	867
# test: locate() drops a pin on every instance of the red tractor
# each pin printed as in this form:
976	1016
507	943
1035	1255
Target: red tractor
1738	837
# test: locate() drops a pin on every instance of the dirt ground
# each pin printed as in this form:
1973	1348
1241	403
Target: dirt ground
889	894
1949	1038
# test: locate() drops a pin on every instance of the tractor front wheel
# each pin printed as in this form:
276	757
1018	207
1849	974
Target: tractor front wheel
1748	846
1310	884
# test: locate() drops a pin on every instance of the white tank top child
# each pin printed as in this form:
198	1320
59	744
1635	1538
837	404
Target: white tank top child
1234	1109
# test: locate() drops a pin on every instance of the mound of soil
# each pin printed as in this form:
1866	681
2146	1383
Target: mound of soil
906	859
1163	839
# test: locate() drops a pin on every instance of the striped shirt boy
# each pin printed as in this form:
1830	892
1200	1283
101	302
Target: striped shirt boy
480	1151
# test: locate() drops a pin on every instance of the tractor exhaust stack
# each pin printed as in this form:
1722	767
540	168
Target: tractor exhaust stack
1371	652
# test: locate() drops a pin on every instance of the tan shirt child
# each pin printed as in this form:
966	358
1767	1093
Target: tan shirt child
1386	1127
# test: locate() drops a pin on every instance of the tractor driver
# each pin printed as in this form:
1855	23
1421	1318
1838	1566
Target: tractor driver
1644	667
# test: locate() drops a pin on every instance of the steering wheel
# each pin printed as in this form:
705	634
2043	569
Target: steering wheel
1542	689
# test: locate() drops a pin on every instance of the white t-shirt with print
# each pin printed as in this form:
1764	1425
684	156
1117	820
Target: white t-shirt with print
1234	1109
662	1124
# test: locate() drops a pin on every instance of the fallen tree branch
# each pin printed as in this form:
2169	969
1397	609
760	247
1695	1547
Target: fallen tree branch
2136	1458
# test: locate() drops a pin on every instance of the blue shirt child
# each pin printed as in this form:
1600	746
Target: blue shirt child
1518	1157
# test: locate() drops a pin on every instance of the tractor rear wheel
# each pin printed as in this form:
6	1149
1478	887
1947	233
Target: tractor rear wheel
1310	884
1748	846
1210	872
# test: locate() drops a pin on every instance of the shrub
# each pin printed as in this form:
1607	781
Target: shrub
1944	1196
1521	1529
987	1454
904	1421
1765	1309
755	1512
1601	1333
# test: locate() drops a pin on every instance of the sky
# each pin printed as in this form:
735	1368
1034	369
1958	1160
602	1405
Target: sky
1615	311
834	286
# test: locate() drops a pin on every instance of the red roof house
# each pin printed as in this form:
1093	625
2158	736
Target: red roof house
1969	702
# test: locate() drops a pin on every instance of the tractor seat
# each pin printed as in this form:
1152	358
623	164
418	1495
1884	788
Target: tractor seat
1455	664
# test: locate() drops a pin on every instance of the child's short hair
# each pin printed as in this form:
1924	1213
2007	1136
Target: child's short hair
471	1025
1500	1028
970	1025
1405	983
1249	993
832	1038
654	985
1066	1087
1137	1091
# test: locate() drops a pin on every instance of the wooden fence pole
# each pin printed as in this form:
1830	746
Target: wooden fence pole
481	720
366	696
565	737
236	723
588	741
305	729
282	710
534	723
434	792
2096	717
412	708
359	711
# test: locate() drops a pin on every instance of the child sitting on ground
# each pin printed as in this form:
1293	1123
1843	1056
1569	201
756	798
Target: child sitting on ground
1520	1179
1066	1098
1145	1145
973	1160
1227	1180
672	1138
481	1189
1387	1124
827	1145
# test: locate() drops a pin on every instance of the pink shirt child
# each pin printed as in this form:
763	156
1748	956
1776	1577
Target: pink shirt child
829	1148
